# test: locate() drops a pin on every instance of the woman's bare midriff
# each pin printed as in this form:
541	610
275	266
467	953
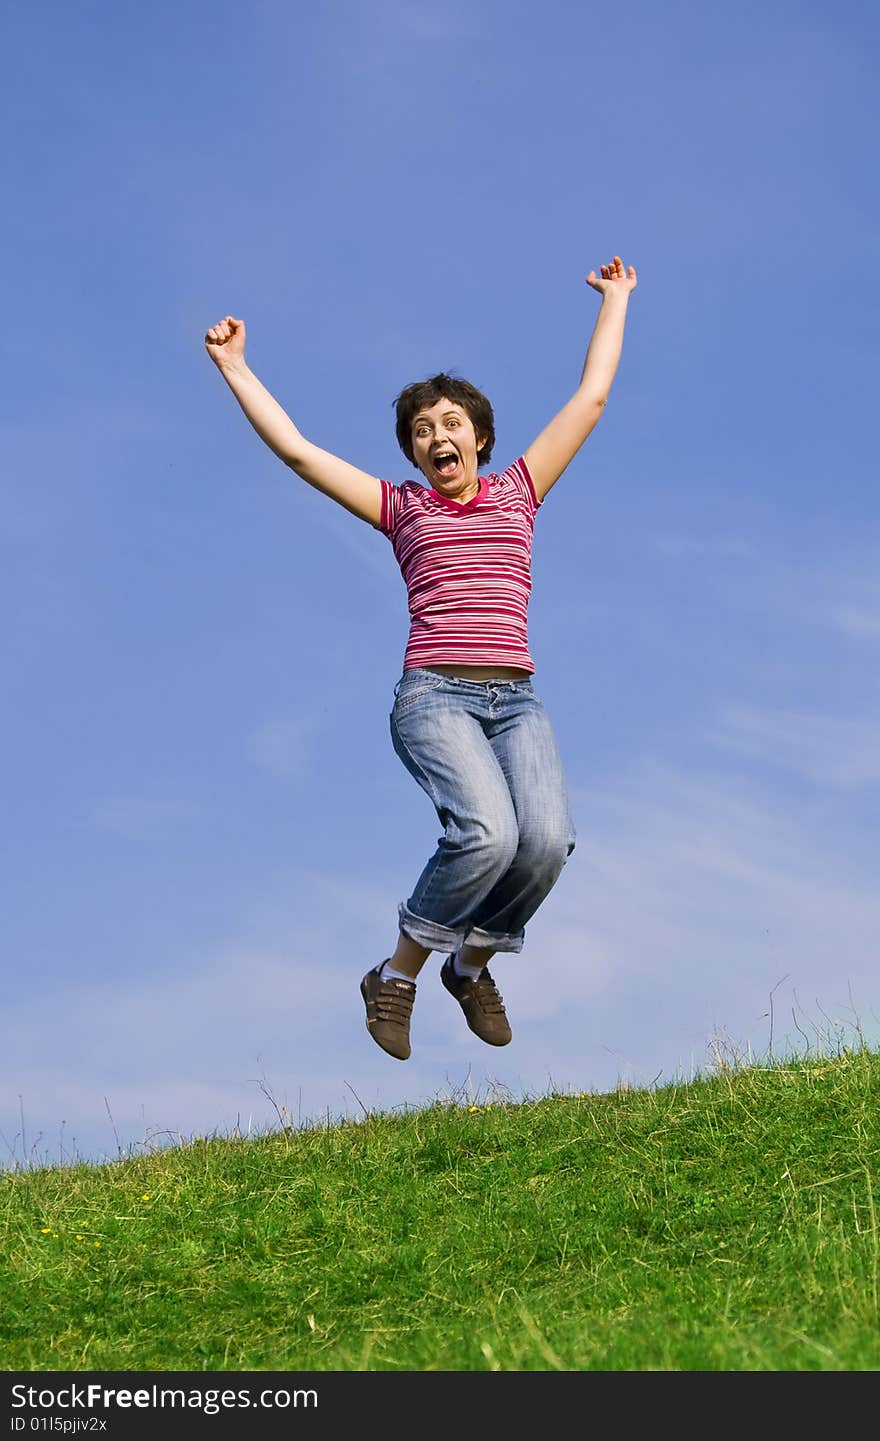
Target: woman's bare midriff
480	672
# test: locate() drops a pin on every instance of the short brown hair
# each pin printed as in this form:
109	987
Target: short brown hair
423	393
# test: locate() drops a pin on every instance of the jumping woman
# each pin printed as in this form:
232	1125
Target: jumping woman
466	721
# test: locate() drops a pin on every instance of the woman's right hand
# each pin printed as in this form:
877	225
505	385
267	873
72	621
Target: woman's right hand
224	342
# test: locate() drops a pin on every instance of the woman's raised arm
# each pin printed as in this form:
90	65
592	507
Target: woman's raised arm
560	441
354	489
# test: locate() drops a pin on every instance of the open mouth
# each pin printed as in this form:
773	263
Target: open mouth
445	462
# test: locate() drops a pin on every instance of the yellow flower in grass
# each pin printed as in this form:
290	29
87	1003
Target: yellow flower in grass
145	1198
45	1230
473	1108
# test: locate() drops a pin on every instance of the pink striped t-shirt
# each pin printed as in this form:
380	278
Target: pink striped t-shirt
467	568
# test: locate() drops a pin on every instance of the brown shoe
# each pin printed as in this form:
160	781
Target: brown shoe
481	1002
389	1007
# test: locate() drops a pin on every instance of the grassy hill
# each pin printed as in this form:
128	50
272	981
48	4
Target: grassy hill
724	1223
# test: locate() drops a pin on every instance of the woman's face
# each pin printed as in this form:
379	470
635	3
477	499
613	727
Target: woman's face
445	446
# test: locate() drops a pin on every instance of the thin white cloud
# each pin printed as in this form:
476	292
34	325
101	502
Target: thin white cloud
370	548
692	907
132	814
840	594
705	547
283	746
858	621
846	596
391	36
825	750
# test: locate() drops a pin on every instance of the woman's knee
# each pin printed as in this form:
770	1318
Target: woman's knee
543	848
496	843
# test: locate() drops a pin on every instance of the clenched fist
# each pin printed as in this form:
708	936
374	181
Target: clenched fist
224	342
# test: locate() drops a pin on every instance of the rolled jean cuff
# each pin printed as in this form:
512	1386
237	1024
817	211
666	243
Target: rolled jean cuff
443	938
429	933
495	940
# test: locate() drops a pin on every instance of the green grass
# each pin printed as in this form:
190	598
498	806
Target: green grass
724	1223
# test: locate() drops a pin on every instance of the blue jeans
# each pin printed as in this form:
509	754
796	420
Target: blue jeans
485	753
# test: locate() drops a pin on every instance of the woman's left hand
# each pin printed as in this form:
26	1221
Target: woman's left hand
614	277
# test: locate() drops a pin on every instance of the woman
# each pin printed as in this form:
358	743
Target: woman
466	721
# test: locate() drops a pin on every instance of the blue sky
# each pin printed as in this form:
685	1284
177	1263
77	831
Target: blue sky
207	832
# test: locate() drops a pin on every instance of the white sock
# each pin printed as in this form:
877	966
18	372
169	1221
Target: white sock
388	973
474	972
